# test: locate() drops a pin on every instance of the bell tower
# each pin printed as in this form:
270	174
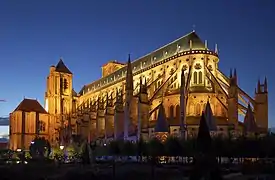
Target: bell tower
59	94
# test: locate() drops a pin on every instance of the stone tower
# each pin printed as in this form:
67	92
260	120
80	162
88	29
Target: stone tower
143	110
261	105
233	100
59	97
118	115
109	116
129	89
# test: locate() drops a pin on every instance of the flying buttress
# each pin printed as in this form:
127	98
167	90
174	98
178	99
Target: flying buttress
162	86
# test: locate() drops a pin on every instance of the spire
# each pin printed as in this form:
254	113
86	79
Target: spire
161	124
216	49
259	86
203	138
249	121
265	85
61	67
235	76
210	119
129	76
205	44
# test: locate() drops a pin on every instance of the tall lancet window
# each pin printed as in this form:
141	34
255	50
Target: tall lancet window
198	109
195	78
171	112
200	77
178	113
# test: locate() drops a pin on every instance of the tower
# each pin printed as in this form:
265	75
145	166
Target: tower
129	89
109	116
233	100
100	118
59	96
143	110
92	121
261	105
118	115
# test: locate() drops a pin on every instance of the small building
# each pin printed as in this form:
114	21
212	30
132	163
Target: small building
27	121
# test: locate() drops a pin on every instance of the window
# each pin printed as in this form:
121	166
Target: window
195	77
200	77
42	126
198	109
66	84
171	111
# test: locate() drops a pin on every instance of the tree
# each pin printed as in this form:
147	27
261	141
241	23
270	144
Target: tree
141	148
85	154
155	149
173	147
40	148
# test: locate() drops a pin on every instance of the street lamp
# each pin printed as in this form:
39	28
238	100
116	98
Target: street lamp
61	147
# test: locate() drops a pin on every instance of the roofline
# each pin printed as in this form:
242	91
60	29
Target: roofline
83	87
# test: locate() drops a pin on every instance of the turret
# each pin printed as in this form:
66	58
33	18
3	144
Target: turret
233	100
129	76
109	116
118	115
261	105
100	119
129	89
92	121
265	85
143	110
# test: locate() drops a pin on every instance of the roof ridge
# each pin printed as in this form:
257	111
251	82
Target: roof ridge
151	52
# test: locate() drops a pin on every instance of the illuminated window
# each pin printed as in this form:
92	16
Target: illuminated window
66	84
200	77
42	126
198	109
195	78
171	111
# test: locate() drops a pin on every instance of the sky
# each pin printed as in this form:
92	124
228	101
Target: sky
88	33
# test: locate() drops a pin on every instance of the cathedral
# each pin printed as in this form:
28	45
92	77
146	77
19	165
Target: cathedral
160	94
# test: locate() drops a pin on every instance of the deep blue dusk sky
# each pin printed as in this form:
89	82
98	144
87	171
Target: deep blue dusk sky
87	34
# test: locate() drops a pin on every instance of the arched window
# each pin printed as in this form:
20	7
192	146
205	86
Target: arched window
192	109
195	78
171	112
198	109
200	77
178	112
42	126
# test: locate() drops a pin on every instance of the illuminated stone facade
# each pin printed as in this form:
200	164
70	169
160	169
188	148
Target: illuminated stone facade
28	121
127	96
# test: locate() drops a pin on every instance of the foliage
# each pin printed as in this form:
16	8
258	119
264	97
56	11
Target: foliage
242	147
85	154
40	148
